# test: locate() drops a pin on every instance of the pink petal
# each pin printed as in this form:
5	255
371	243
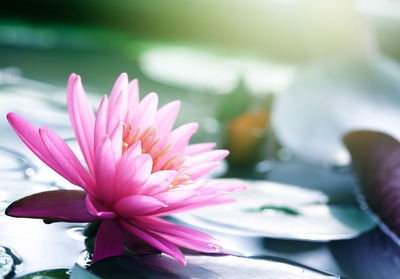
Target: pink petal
136	205
105	171
194	149
155	241
180	136
146	113
166	116
201	170
134	150
205	247
132	175
116	141
177	208
133	95
204	194
221	187
158	182
59	205
179	139
205	157
82	118
66	159
100	127
109	240
117	111
121	85
31	137
182	236
177	195
160	225
97	209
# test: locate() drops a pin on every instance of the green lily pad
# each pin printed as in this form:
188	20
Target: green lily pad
282	211
48	274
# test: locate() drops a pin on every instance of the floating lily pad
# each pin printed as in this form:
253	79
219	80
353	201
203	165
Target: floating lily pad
333	97
282	211
202	266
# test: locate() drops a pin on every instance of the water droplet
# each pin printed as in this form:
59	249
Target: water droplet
29	172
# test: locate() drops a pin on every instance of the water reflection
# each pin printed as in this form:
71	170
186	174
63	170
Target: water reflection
41	246
76	233
15	164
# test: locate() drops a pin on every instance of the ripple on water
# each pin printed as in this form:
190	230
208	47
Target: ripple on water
8	262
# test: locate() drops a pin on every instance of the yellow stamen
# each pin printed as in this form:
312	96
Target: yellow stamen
123	129
158	156
146	132
149	142
182	180
135	136
181	163
152	145
170	161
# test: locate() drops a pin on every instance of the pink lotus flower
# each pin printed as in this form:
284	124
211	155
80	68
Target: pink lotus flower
138	169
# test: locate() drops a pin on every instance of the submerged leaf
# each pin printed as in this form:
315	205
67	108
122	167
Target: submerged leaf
202	266
48	274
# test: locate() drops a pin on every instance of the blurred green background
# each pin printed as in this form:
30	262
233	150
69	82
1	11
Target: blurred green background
228	60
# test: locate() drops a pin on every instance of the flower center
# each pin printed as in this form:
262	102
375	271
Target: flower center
163	158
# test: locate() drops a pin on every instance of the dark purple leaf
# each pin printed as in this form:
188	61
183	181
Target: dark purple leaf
58	205
376	159
374	255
